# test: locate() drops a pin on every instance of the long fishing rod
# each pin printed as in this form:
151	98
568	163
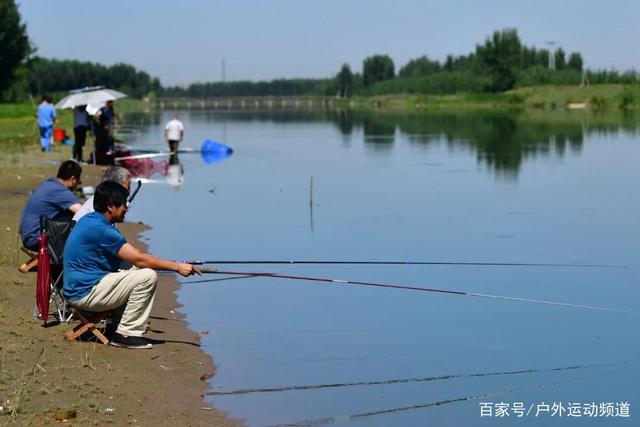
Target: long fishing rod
315	262
415	288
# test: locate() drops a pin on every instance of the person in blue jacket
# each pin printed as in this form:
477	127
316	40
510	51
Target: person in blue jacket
47	116
53	199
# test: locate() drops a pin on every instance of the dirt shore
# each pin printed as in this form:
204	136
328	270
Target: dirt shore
41	373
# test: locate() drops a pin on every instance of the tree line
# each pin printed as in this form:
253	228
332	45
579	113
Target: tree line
501	63
52	76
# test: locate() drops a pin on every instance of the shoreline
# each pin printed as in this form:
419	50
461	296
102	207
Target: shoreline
41	373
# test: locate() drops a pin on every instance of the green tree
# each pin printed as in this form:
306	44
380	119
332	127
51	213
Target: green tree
501	57
528	56
448	65
377	68
542	58
345	81
561	59
420	67
575	61
14	43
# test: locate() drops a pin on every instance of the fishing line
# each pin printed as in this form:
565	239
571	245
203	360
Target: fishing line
415	288
222	279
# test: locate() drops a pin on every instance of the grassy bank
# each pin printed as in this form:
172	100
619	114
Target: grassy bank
17	123
19	128
593	97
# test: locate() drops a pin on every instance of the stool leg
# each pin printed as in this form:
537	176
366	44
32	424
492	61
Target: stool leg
27	266
85	326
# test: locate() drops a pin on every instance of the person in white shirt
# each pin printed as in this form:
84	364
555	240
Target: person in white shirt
173	133
113	173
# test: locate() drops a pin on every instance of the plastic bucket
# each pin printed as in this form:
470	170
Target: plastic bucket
59	134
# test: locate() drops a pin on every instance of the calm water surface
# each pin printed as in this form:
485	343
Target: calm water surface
535	188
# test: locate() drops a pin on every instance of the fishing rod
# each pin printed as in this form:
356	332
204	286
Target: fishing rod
155	154
135	192
208	148
415	288
484	264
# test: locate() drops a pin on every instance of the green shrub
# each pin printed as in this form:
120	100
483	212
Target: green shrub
628	98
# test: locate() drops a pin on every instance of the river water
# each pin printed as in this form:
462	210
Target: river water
539	187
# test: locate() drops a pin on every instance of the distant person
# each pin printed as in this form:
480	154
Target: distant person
93	280
47	116
173	133
81	124
113	173
103	133
108	114
52	199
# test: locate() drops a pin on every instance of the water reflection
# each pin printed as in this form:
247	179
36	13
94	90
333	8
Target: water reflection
150	165
175	172
373	198
379	135
501	140
145	167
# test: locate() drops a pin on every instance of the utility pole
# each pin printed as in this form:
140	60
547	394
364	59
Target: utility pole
585	79
552	53
224	70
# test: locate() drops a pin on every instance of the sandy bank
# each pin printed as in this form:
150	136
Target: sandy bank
40	372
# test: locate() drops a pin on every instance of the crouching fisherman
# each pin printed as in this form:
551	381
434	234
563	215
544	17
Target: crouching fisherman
92	257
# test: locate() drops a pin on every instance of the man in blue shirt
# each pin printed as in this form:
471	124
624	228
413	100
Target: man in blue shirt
46	117
108	113
52	199
92	258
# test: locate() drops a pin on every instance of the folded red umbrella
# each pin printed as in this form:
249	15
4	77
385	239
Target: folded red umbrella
43	279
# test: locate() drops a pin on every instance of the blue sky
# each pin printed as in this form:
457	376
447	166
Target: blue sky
185	41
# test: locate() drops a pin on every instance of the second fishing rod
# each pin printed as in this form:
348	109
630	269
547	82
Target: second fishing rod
396	262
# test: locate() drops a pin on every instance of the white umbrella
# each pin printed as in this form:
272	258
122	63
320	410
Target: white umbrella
93	109
87	96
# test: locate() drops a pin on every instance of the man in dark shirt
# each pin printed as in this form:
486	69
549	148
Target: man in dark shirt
108	113
93	280
52	199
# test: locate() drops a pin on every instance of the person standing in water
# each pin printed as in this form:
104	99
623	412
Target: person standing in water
173	133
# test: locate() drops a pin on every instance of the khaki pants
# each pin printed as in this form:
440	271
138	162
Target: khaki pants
134	287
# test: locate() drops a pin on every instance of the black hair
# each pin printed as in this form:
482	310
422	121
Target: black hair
68	169
109	193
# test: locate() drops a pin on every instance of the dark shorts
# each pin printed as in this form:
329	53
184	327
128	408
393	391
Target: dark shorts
173	145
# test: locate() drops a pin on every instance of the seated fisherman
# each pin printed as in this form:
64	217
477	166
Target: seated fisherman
113	173
52	199
92	256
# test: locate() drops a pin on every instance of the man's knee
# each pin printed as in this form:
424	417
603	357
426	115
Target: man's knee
149	275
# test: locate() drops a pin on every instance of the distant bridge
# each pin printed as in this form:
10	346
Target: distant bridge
249	103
